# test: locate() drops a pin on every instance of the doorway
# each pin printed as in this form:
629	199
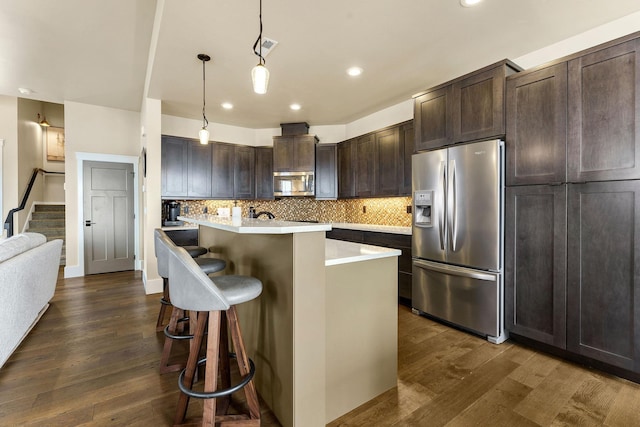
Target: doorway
109	217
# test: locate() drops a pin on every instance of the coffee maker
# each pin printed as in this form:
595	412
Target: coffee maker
170	212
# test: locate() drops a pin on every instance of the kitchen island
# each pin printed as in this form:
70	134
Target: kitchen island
323	334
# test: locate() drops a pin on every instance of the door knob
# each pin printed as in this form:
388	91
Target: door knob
88	223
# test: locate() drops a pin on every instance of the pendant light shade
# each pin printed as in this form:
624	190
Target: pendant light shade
259	74
204	133
260	78
204	136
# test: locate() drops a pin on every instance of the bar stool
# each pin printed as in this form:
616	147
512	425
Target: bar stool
214	298
195	251
209	265
174	330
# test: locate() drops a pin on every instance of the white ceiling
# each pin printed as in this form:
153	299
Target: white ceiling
97	52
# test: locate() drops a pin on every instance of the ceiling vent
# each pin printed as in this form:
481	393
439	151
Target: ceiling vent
267	46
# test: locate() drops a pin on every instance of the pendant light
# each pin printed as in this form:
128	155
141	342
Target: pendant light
204	133
259	74
43	122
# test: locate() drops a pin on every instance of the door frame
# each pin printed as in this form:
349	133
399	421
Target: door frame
113	158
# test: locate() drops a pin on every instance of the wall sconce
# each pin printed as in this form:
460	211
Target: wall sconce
260	74
43	122
204	133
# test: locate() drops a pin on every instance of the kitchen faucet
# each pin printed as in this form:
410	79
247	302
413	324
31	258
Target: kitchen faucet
268	214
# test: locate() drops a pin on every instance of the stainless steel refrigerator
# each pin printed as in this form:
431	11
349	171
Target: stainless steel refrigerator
458	199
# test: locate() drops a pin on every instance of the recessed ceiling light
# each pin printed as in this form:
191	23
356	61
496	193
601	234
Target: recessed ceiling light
25	90
354	71
469	3
295	107
227	105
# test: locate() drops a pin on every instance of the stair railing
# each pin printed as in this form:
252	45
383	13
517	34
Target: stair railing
8	223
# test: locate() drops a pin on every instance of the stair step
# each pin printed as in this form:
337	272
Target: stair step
48	215
46	223
49	220
49	208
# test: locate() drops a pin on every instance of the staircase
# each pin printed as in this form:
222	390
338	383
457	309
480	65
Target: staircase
49	220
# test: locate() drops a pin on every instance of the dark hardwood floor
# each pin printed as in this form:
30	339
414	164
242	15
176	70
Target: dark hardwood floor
93	360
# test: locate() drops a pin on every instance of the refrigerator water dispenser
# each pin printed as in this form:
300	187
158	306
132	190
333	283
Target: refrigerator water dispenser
423	201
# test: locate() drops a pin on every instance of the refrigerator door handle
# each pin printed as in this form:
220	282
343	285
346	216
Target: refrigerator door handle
443	187
452	205
455	271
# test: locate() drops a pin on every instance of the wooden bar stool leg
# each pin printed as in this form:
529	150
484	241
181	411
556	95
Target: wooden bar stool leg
176	314
164	303
211	372
243	363
224	367
192	365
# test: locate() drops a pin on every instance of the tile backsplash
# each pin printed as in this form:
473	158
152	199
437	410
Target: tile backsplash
378	211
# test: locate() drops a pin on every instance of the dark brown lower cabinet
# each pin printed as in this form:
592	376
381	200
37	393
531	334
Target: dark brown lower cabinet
582	241
535	262
603	291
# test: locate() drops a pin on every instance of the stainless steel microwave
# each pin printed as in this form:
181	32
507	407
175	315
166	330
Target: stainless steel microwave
293	184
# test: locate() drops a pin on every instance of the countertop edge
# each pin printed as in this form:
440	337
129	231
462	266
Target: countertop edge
352	252
255	226
391	229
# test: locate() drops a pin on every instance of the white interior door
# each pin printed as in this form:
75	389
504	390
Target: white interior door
108	217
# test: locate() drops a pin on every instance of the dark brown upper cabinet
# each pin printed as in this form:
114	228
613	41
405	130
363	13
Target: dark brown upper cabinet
388	161
465	109
433	119
604	114
264	173
244	180
536	142
478	104
326	172
174	167
199	170
365	163
294	153
376	164
222	172
407	137
346	169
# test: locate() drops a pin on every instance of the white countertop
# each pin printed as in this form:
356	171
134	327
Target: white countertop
179	227
372	227
254	225
340	252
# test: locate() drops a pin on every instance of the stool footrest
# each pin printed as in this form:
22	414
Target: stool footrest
218	393
164	301
174	336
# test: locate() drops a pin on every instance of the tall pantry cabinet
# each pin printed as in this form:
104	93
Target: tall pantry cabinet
572	236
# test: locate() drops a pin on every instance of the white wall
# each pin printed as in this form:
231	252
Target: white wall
152	119
92	129
9	167
30	148
54	114
590	38
327	134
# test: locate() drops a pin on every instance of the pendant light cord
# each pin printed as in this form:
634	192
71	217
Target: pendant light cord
205	122
259	40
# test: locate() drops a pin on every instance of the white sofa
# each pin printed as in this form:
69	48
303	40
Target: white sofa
28	274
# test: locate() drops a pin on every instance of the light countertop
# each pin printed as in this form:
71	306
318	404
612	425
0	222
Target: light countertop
254	225
341	252
372	227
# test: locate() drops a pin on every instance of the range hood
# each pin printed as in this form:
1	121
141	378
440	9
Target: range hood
294	161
